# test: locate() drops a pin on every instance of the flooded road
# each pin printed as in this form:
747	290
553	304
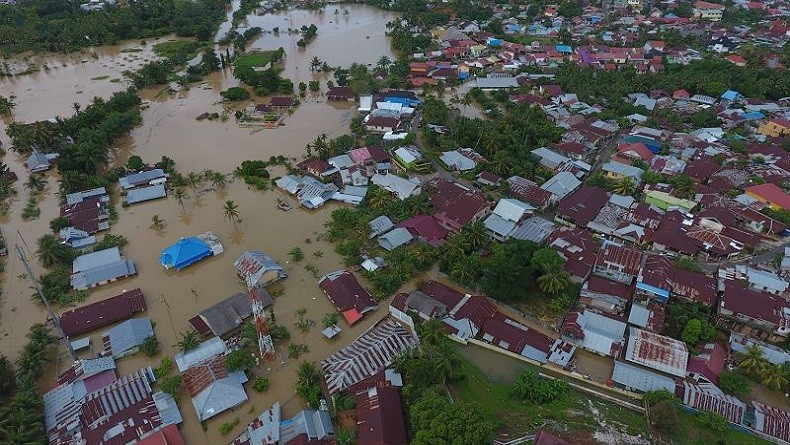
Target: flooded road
170	128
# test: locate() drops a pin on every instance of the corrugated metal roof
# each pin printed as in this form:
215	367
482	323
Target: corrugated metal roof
143	194
135	179
499	225
102	274
640	379
395	238
512	209
657	352
127	335
96	259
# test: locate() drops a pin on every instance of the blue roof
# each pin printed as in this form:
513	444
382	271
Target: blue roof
662	293
494	42
185	252
564	49
652	144
730	95
753	115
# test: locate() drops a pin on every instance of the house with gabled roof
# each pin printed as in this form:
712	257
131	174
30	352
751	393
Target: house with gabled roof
582	206
213	388
760	314
657	352
618	263
596	332
578	248
771	421
258	268
347	295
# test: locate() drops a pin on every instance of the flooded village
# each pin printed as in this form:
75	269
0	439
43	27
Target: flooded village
493	241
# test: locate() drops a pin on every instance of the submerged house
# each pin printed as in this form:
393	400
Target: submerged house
126	338
188	251
227	315
101	267
257	268
40	162
347	295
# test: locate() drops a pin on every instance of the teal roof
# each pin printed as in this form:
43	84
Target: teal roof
185	252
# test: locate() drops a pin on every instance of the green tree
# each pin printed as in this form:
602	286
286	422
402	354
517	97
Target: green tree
235	94
713	420
171	385
150	346
188	341
6	106
135	163
52	253
7	377
219	180
239	359
296	254
733	383
753	361
157	223
554	281
774	377
624	186
231	211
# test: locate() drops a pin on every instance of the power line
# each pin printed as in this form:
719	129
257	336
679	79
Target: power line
37	285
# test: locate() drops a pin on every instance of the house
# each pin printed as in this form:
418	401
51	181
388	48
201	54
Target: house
99	407
528	191
605	295
507	333
664	200
618	263
770	195
561	185
400	187
457	205
507	214
774	128
347	295
317	167
227	315
659	278
638	379
102	313
487	178
617	170
258	268
281	102
169	435
126	338
40	162
143	194
76	238
708	365
708	11
155	176
380	418
759	314
740	343
535	229
708	397
407	157
425	306
578	248
582	206
771	421
395	238
379	124
87	210
657	352
340	94
188	251
550	159
100	267
379	226
306	427
596	332
425	228
211	386
366	356
461	159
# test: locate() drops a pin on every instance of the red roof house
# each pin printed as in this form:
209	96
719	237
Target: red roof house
380	419
348	296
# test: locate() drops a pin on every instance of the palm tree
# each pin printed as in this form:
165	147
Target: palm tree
41	335
624	186
379	198
77	107
465	270
193	180
446	360
384	62
475	235
189	341
308	374
219	180
345	437
90	156
774	377
180	195
432	332
455	248
157	223
315	63
231	211
35	183
554	281
51	252
753	361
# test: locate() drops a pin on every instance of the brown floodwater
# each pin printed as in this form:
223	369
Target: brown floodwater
170	128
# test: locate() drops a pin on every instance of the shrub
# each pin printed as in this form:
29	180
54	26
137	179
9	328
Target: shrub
261	384
239	359
235	94
150	346
61	222
279	333
171	385
134	163
735	384
714	421
656	397
227	427
165	367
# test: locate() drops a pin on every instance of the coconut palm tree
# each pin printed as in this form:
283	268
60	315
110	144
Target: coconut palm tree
384	62
379	198
342	435
189	341
180	195
432	332
52	253
475	235
308	374
35	183
446	360
6	106
231	211
554	281
315	63
157	223
774	377
194	180
219	180
465	270
624	186
41	335
753	361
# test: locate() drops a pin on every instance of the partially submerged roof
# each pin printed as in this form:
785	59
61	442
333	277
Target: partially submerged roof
256	267
185	252
102	313
227	315
127	336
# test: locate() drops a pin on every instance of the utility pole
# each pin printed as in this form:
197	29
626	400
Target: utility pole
52	316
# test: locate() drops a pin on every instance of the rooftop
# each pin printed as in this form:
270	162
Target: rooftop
657	352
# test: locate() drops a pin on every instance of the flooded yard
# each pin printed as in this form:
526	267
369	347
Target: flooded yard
170	128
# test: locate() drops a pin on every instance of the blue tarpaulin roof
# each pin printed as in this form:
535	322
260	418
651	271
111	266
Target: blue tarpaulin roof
752	115
564	49
652	144
398	100
730	95
663	294
185	252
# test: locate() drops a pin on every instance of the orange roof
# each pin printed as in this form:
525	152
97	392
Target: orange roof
168	435
770	193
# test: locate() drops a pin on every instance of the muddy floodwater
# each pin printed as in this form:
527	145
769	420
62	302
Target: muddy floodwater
169	128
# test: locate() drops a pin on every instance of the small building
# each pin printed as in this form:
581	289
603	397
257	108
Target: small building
126	338
657	352
618	263
258	268
380	419
212	388
426	229
395	238
281	102
770	195
638	379
596	332
507	214
146	178
708	364
143	194
380	225
101	267
188	251
771	421
617	170
40	162
664	200
340	94
400	187
227	315
708	397
366	356
76	238
102	313
347	295
582	206
378	124
461	159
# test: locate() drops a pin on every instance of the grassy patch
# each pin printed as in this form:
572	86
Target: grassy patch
254	59
173	49
574	412
690	431
100	77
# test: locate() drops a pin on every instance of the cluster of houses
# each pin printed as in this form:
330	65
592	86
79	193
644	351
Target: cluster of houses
617	34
